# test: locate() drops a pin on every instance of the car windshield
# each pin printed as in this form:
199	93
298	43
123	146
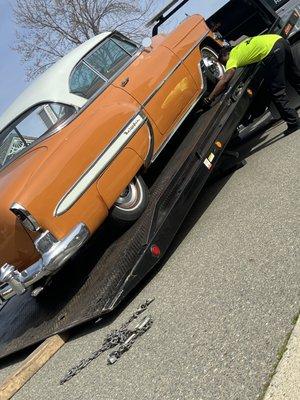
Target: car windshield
100	65
32	125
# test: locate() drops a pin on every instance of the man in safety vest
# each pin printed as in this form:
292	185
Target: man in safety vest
277	58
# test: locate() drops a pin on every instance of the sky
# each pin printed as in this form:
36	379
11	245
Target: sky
12	75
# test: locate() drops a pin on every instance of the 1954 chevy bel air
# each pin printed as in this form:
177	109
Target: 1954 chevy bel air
74	144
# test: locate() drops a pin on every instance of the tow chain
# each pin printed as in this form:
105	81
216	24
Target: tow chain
124	336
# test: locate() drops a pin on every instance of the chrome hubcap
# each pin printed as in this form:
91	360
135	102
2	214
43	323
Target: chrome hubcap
129	198
211	62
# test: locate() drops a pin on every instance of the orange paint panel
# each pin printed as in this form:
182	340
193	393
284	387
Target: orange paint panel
169	86
78	149
147	72
115	179
186	35
192	64
90	209
169	103
141	142
16	247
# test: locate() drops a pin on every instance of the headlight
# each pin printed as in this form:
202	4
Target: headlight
24	216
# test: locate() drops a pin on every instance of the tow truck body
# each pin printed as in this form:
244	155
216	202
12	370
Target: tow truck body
129	256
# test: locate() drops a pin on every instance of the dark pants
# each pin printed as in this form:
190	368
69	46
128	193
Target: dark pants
279	65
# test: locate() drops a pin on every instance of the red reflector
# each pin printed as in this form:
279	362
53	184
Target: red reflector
155	250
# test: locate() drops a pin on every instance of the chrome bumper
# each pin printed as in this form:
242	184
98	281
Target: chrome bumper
54	253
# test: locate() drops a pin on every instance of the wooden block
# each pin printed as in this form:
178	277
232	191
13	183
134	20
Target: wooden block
31	365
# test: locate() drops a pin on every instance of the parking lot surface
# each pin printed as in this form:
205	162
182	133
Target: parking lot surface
226	296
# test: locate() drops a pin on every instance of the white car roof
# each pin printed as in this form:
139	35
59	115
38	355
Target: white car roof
52	85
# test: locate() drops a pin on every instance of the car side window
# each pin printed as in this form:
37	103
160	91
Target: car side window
31	126
108	58
100	65
130	47
84	81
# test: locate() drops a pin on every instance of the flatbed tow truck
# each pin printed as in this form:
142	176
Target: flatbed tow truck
111	274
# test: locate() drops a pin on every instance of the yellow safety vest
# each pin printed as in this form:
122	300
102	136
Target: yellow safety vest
251	50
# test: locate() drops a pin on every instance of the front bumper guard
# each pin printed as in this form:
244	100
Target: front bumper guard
54	254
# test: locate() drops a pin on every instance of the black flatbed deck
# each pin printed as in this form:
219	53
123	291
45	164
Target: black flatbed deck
96	281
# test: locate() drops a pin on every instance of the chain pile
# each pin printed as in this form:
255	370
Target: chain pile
124	337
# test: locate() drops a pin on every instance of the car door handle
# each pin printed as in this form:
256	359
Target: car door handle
124	82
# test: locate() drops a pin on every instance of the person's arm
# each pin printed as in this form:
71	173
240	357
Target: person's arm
222	84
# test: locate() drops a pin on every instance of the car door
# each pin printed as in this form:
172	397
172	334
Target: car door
162	84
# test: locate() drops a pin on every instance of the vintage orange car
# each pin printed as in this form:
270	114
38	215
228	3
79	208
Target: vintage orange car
74	145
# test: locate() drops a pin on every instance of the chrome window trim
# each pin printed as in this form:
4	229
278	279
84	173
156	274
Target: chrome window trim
111	37
109	81
84	61
120	45
139	50
94	70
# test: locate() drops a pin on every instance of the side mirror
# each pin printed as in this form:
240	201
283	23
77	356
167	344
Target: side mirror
147	42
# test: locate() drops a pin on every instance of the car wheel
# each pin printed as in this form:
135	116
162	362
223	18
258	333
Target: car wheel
213	68
132	202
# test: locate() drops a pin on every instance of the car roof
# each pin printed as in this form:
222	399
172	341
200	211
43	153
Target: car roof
52	85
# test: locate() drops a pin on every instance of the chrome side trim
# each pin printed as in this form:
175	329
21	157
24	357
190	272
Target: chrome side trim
100	164
54	254
149	98
147	162
203	84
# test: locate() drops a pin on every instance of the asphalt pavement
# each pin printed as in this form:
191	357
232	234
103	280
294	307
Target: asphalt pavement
226	296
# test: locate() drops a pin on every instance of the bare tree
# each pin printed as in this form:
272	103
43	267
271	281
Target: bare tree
48	29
